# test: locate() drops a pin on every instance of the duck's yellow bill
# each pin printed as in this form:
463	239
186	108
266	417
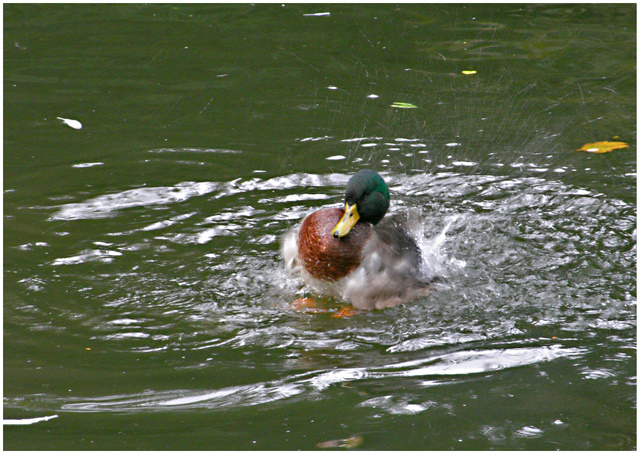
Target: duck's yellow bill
348	220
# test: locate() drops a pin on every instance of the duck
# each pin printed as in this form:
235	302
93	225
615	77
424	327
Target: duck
355	253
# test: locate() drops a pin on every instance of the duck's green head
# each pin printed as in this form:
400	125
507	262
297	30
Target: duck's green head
367	200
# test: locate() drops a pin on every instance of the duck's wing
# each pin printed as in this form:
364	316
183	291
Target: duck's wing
398	248
289	249
390	272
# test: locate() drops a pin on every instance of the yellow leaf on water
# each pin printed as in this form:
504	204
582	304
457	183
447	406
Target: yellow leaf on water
602	147
469	72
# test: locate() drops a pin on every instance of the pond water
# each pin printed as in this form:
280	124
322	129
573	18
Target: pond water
146	305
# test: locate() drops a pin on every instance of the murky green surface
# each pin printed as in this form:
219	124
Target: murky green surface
145	302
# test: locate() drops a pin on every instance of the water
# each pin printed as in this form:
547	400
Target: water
145	300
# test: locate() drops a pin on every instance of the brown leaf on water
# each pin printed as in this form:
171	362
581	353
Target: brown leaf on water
353	442
348	443
602	147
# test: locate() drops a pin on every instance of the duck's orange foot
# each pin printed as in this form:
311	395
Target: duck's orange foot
308	305
345	311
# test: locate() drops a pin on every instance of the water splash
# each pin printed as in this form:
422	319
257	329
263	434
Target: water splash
526	261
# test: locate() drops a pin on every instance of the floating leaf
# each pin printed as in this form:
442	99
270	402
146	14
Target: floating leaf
602	147
349	443
75	124
403	105
353	442
469	72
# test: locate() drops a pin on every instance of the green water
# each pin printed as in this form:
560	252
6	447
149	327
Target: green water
145	301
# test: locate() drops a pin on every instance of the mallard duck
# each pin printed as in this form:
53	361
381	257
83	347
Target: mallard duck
355	254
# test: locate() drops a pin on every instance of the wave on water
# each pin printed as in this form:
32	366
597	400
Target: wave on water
110	204
435	370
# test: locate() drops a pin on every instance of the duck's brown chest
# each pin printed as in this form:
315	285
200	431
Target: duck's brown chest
323	256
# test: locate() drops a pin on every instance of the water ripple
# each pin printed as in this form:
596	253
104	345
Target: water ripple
110	204
523	260
310	384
